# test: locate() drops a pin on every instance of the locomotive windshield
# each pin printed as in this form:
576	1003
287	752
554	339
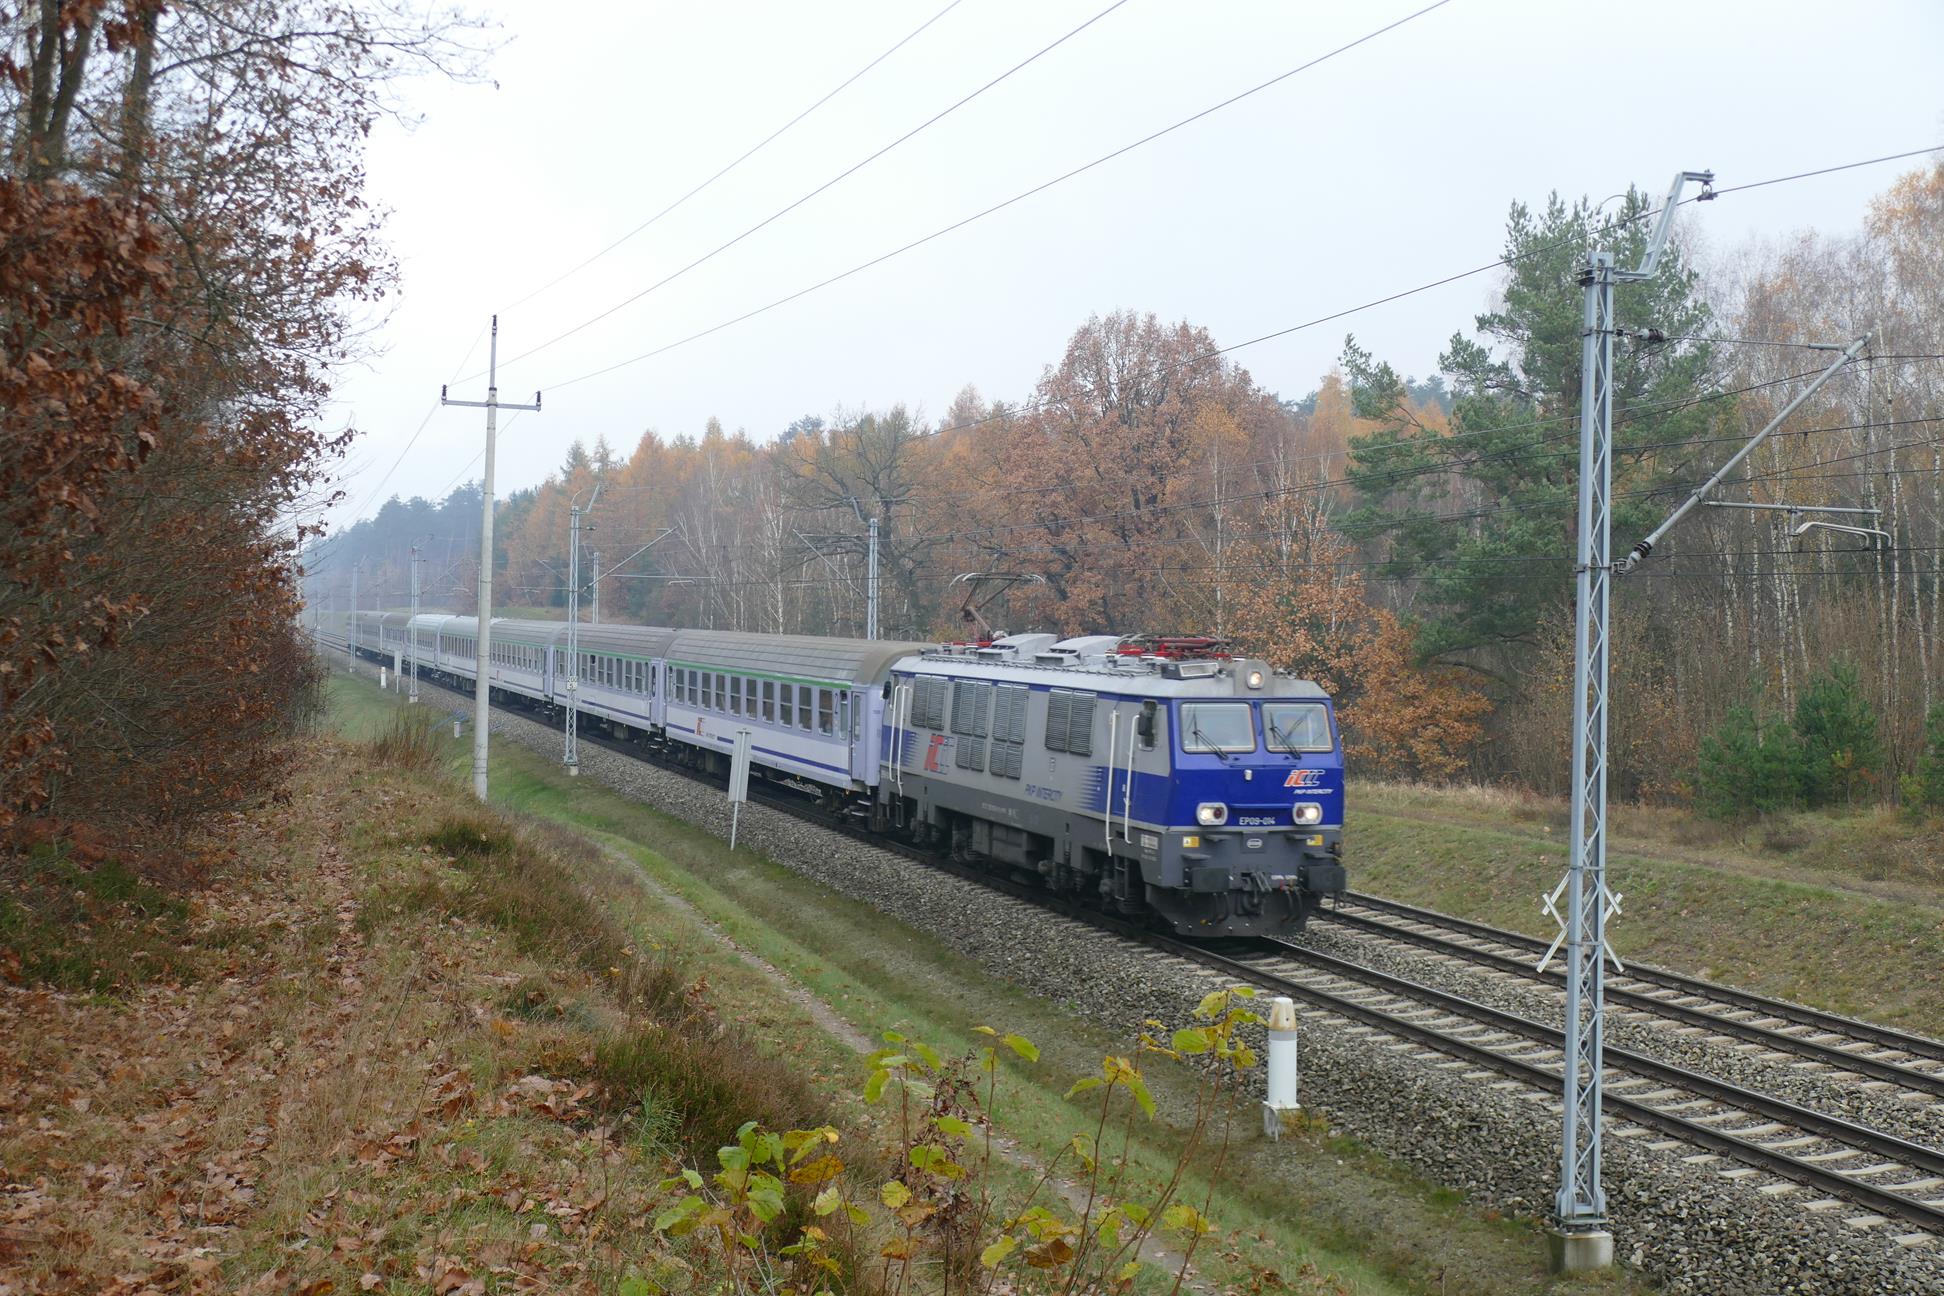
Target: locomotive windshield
1296	726
1217	727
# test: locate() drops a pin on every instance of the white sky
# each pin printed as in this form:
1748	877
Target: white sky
1382	169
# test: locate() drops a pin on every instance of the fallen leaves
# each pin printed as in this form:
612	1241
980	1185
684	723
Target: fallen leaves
322	1116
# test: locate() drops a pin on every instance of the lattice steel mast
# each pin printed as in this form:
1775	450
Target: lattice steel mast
1580	1207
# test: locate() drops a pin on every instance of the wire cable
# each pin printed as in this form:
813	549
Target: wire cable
1333	316
999	206
840	176
744	157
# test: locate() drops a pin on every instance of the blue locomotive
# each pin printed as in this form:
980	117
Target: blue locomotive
1153	776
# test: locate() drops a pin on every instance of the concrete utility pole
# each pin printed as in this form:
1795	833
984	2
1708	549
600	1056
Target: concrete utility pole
411	629
1581	1240
594	583
870	568
871	587
483	689
570	756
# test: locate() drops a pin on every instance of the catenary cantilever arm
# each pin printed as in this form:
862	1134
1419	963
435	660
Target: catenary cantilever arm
1645	547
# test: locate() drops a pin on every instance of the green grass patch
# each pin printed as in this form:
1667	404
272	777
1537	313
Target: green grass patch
1784	928
90	927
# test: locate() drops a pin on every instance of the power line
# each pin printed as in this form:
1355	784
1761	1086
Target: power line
1830	170
1001	206
413	440
1031	408
840	176
744	157
1495	264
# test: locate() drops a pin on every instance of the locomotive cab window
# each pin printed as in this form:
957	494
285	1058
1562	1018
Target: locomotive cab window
1217	727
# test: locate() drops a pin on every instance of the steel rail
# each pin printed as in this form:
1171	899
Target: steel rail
1878	1200
1897	1073
1834	1023
1806	1119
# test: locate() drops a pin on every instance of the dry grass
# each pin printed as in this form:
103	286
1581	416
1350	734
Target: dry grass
414	741
1846	848
425	1052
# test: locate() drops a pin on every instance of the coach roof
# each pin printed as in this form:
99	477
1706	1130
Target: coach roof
621	640
798	657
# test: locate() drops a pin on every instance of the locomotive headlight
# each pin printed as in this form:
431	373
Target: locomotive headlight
1211	814
1255	679
1306	812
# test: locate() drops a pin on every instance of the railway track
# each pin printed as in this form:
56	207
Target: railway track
1888	1177
1910	1062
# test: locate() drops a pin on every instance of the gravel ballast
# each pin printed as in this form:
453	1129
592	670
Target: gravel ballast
1685	1223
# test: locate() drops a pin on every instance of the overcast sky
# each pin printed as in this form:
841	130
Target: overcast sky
1382	168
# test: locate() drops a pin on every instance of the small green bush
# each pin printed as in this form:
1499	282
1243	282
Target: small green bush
1748	766
1837	729
1928	781
91	927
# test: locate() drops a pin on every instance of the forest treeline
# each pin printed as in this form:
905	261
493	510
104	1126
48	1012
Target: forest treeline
1408	543
184	249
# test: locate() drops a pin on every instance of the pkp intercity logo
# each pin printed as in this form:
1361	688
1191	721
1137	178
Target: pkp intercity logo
1304	778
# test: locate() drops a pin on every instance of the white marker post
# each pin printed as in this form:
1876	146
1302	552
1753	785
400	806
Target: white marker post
1280	1105
738	783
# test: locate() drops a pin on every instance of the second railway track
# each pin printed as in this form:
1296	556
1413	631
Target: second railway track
1890	1178
1913	1063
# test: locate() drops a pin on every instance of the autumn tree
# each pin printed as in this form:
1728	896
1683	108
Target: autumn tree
1399	718
185	250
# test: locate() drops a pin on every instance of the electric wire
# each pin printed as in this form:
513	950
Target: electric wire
1312	323
740	159
999	206
834	180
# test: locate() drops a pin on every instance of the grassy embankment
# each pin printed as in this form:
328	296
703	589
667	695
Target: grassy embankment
1843	911
1322	1207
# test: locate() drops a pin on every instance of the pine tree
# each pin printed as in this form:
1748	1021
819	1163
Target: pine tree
1512	445
1748	766
1838	731
1927	783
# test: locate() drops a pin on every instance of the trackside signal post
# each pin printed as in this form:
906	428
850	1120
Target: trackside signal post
483	688
1581	1240
575	513
738	781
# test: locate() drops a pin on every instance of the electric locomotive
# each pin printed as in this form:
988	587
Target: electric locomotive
1161	776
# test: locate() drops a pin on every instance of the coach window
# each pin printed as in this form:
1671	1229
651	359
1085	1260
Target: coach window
823	710
804	721
769	701
843	716
786	708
